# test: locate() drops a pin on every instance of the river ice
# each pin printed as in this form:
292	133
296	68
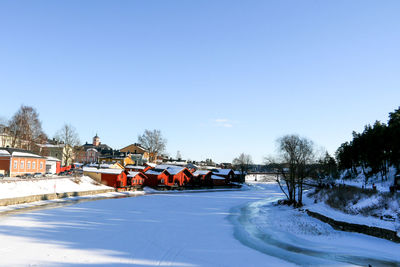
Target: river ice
227	228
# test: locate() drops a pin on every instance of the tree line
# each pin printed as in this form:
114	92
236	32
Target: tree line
374	150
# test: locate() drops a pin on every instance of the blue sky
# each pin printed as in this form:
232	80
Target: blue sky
216	77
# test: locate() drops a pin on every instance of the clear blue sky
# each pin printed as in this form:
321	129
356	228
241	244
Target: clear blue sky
216	77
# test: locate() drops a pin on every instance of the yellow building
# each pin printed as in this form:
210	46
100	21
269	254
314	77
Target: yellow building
137	149
120	160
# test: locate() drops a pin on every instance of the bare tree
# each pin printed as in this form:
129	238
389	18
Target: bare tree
25	128
68	135
243	163
153	142
294	165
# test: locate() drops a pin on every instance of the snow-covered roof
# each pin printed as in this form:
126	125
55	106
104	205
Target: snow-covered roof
52	159
103	165
222	171
176	163
170	168
216	177
132	174
51	145
4	153
135	167
109	171
24	154
154	172
201	172
151	164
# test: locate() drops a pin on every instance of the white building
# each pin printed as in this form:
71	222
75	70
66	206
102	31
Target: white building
51	164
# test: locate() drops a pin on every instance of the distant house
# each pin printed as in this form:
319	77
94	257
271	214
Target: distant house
168	175
56	150
120	157
14	162
113	177
7	140
53	165
90	153
136	149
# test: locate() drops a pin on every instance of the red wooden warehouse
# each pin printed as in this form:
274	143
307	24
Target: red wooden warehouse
168	176
202	177
228	174
112	177
136	179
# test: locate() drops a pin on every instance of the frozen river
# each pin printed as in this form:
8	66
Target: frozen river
230	228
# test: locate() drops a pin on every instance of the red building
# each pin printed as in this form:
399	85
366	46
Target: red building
228	174
134	168
168	176
218	180
202	178
16	162
111	177
136	179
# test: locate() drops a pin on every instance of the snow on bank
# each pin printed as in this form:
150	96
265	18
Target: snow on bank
43	204
13	189
292	235
326	210
382	184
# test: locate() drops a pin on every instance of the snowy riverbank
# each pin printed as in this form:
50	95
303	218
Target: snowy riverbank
12	189
292	235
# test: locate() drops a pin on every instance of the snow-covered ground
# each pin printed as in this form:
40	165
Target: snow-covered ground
324	209
264	178
382	185
10	189
226	228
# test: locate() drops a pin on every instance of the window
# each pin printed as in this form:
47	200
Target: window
33	164
41	165
28	165
15	164
22	164
161	181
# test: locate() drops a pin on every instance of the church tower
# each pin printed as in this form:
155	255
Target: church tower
96	140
